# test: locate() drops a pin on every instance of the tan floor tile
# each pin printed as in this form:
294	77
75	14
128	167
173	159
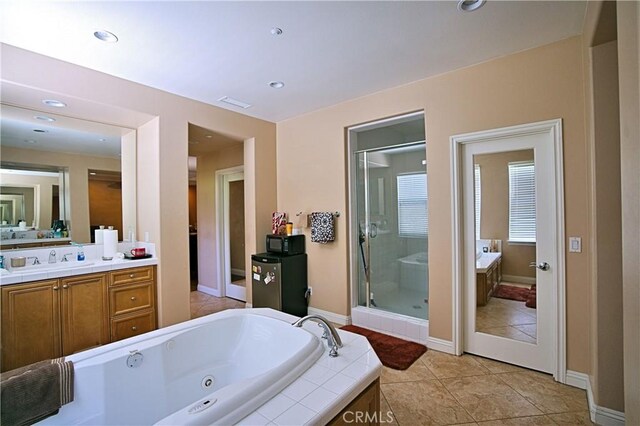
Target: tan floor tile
417	371
548	395
518	421
579	418
386	412
424	403
509	332
203	304
530	329
489	398
497	366
444	365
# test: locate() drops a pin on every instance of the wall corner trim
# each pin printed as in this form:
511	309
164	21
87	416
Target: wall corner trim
599	415
208	290
576	379
333	317
441	345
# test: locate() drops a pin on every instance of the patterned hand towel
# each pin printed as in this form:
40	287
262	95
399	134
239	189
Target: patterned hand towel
278	223
34	392
322	227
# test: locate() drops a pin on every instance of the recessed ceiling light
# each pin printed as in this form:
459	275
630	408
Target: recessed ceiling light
54	103
40	130
30	141
276	31
102	140
106	36
470	5
277	84
234	102
44	118
92	173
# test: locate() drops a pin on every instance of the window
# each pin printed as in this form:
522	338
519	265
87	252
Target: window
522	202
412	205
478	197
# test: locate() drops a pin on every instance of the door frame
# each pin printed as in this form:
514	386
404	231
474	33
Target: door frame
222	231
554	129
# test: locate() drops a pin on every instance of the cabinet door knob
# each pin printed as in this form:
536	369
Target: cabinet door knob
65	286
134	328
133	298
131	275
55	287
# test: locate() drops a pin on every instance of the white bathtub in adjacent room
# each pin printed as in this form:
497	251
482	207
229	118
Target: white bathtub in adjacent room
414	272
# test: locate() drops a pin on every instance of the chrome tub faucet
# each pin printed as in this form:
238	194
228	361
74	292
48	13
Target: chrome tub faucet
330	333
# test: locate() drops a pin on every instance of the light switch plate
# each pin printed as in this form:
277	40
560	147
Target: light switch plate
575	245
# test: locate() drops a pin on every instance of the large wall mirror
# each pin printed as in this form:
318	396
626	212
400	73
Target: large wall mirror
62	177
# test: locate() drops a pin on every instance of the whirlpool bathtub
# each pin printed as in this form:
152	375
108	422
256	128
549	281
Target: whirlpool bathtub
215	369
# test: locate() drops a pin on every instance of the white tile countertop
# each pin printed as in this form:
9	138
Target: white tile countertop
485	261
59	269
326	388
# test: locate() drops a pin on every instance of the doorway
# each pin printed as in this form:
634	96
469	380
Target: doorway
508	222
231	253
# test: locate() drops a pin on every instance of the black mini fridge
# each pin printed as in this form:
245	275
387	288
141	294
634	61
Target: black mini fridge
279	281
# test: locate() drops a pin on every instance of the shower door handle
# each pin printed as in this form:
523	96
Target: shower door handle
374	231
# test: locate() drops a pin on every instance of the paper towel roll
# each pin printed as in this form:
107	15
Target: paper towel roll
110	243
99	236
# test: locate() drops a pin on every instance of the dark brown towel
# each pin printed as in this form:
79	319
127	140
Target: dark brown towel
34	392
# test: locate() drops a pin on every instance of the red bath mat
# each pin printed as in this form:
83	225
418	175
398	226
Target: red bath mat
394	353
511	292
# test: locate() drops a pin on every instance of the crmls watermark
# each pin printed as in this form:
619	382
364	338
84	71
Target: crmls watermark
367	417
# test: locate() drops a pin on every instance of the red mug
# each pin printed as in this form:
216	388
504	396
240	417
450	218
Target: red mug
138	251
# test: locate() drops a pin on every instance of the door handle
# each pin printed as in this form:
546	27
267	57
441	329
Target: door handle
374	231
543	266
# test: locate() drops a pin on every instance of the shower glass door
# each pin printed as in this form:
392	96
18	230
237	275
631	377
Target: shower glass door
392	230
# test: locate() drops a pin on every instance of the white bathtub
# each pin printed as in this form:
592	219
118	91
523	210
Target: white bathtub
249	358
414	271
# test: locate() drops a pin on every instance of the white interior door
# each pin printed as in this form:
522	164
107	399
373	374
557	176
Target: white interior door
499	328
233	288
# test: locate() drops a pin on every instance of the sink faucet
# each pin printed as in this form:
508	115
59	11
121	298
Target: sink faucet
52	256
36	261
65	257
330	333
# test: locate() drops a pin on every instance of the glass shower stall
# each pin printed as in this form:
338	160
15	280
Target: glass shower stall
389	220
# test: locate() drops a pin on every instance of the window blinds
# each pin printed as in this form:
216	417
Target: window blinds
412	205
522	202
478	197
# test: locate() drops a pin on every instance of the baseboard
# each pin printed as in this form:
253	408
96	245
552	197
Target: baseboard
576	379
208	290
602	415
440	345
239	272
518	279
248	305
334	318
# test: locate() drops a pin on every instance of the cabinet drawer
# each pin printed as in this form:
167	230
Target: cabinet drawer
131	298
132	325
133	275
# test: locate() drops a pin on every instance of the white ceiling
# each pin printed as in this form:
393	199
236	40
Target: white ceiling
329	52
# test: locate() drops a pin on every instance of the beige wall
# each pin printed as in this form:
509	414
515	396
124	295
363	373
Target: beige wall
78	167
538	84
207	202
162	172
494	216
629	80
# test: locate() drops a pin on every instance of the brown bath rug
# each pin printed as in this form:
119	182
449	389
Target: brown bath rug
511	292
393	352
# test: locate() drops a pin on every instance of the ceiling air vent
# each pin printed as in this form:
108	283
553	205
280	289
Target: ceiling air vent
234	102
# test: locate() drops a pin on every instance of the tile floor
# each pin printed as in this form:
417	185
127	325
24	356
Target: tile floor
442	389
507	318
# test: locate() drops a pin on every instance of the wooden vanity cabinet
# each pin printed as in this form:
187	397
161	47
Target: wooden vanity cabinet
30	323
132	296
364	409
487	282
58	317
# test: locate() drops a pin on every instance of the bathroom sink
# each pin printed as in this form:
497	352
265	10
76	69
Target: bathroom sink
43	267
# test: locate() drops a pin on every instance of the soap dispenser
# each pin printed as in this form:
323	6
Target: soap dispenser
80	254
